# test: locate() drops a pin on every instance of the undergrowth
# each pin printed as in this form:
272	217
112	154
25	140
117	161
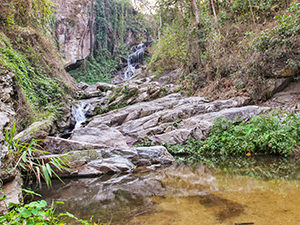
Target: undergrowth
232	49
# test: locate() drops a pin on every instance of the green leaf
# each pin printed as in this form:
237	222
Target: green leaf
25	213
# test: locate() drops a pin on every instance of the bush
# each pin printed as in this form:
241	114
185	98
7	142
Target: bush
272	134
25	157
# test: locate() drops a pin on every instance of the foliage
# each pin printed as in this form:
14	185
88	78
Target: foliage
210	42
43	93
272	134
36	213
279	45
36	13
165	58
259	9
116	22
95	70
27	157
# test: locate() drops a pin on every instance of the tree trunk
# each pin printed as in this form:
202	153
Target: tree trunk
91	26
215	14
196	11
251	10
160	25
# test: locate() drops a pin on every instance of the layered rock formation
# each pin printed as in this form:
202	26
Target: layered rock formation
72	29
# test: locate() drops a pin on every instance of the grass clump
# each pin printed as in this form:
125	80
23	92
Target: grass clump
271	134
27	157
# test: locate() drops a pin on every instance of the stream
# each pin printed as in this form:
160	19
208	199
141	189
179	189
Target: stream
254	190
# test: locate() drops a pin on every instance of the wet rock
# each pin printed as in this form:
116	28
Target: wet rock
102	135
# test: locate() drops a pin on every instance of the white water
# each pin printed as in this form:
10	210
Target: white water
130	70
134	60
78	113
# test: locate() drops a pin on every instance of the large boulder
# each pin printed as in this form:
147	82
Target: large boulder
58	145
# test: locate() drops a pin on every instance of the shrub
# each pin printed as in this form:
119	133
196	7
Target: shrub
272	134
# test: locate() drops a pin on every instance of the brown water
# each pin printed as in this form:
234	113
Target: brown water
186	195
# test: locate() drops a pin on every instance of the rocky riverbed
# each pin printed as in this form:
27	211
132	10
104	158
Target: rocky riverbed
118	117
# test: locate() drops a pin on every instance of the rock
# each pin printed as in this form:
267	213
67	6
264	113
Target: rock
154	154
37	130
288	98
102	135
58	145
271	87
82	86
4	121
13	191
173	118
90	163
104	86
90	92
72	30
64	121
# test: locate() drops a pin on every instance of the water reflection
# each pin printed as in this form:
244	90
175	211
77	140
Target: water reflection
183	194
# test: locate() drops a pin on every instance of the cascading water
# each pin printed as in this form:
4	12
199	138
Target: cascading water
78	113
134	60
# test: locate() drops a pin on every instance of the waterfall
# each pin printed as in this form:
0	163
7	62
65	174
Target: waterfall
134	60
78	113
